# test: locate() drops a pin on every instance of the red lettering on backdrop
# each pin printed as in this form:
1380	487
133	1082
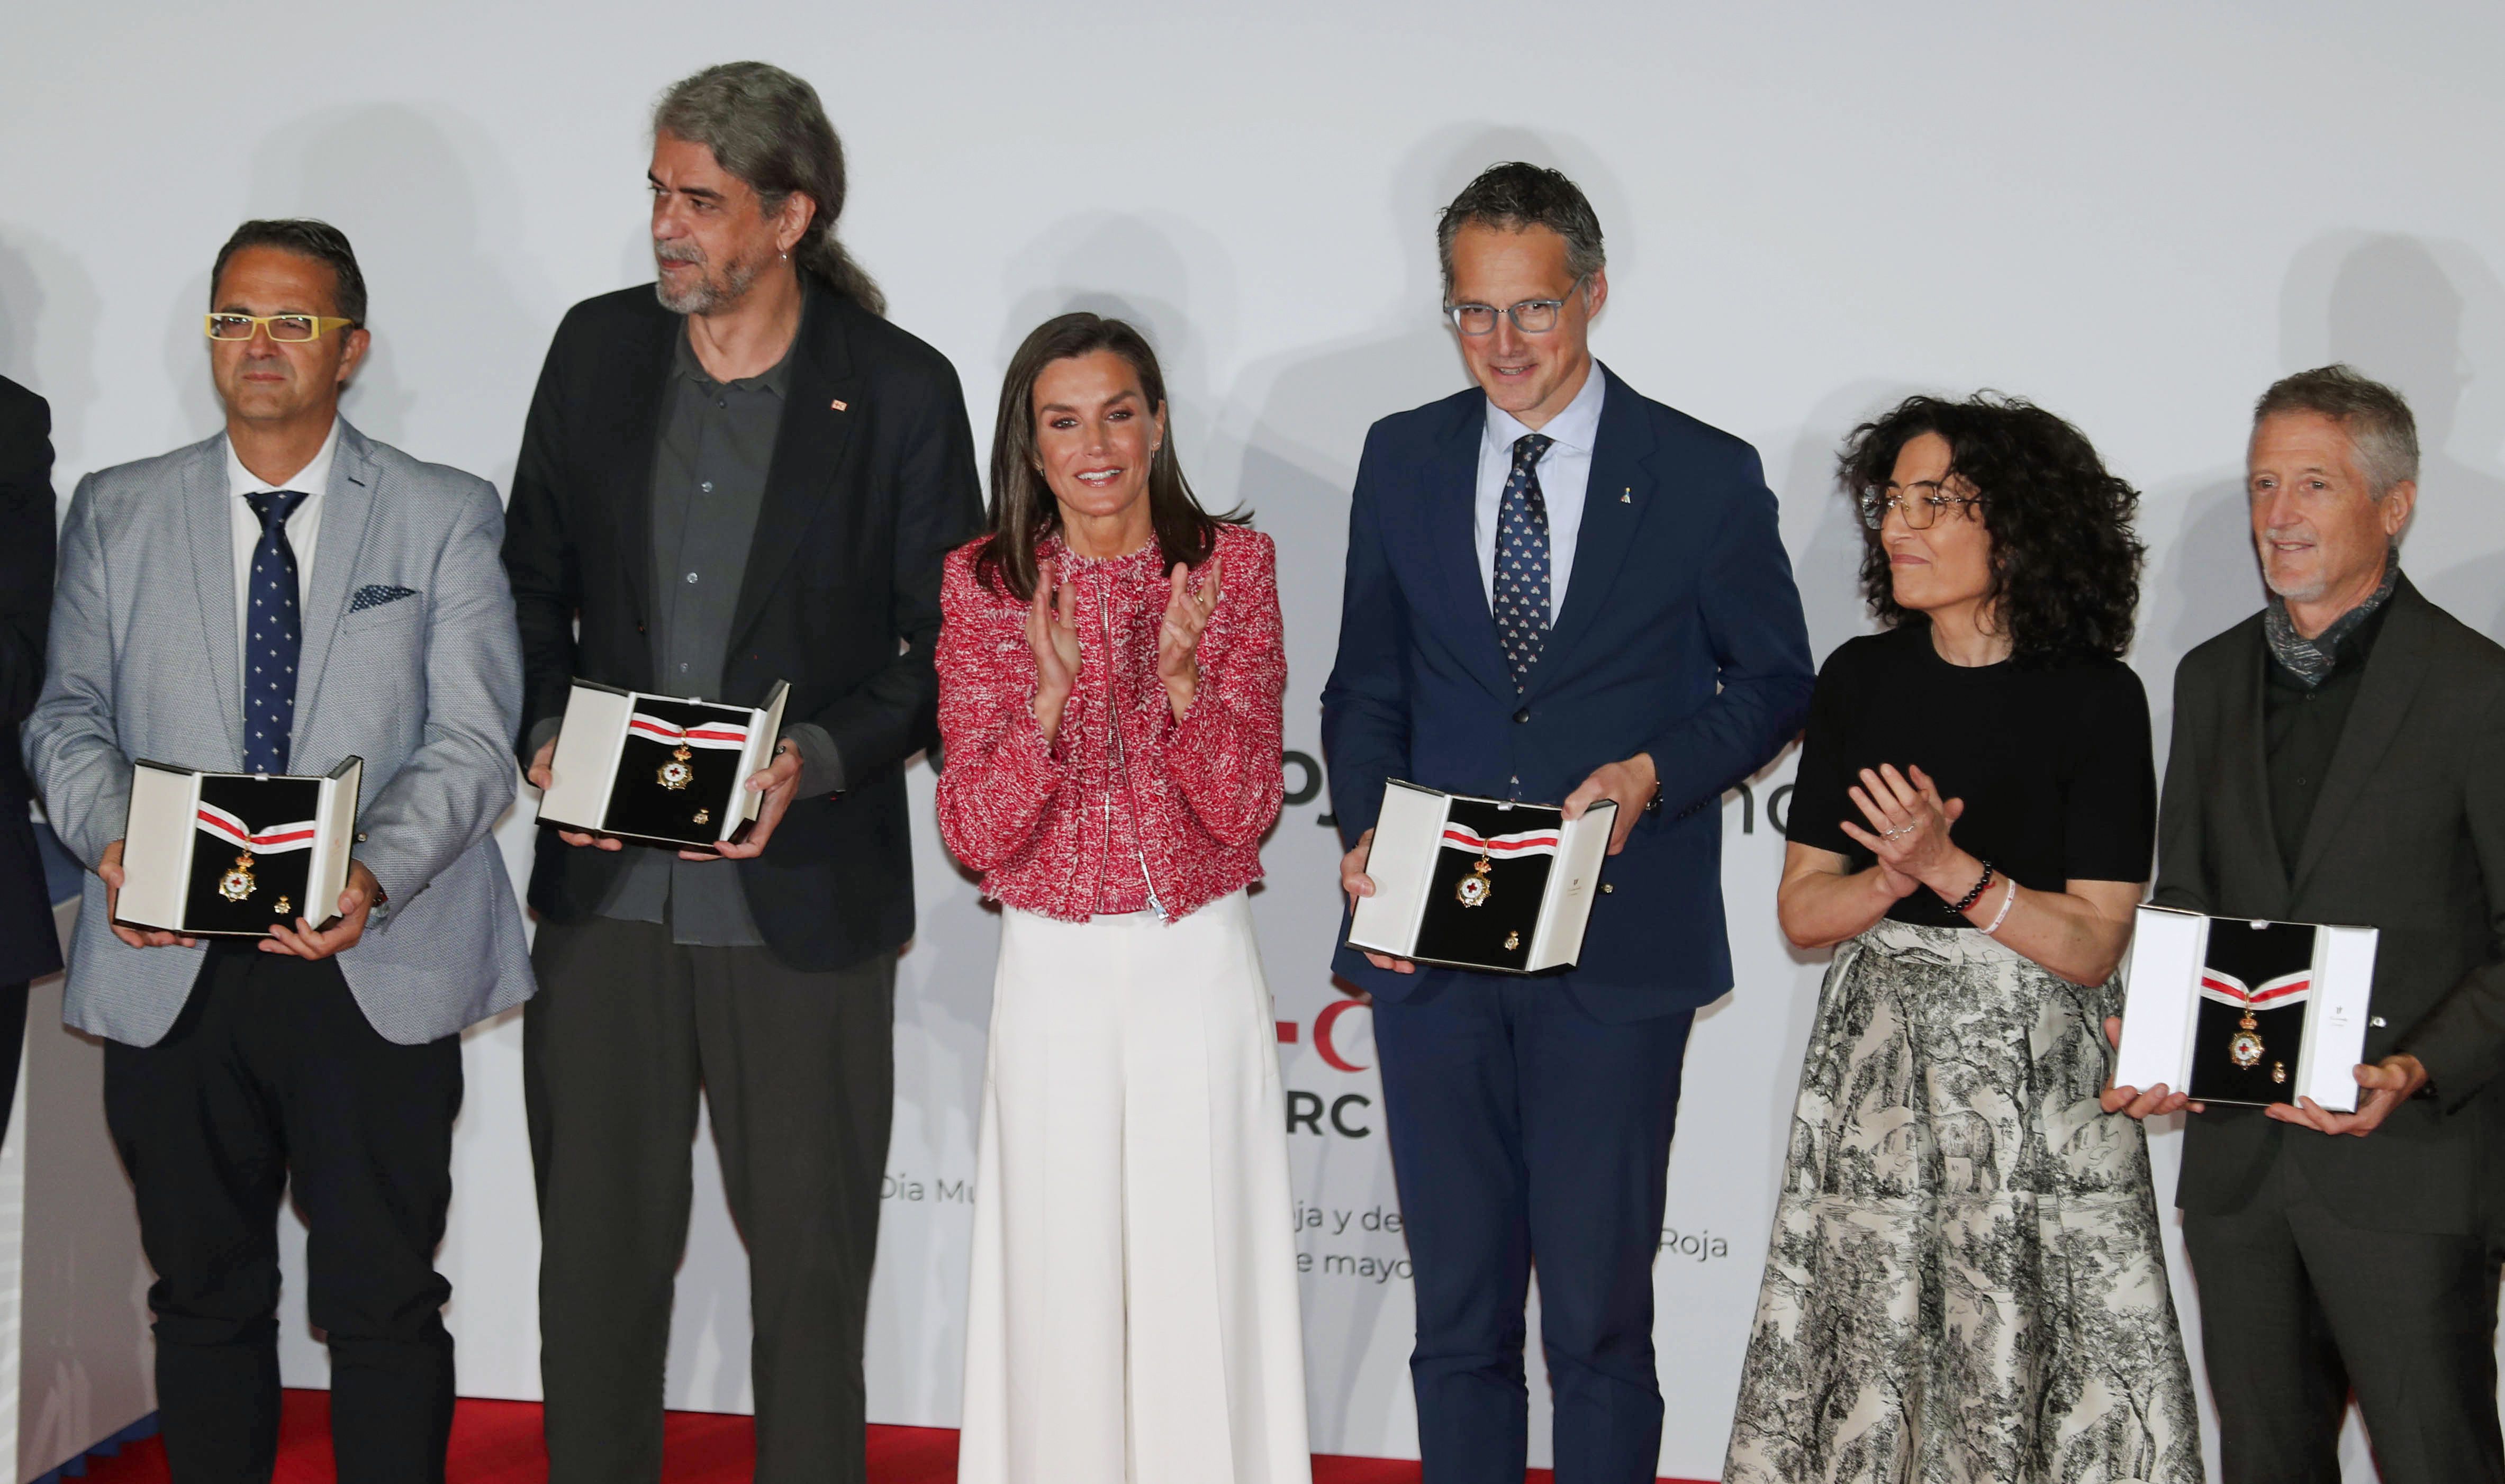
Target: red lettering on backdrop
1322	1042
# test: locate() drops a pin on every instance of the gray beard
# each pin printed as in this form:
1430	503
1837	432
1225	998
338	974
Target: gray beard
709	292
2295	592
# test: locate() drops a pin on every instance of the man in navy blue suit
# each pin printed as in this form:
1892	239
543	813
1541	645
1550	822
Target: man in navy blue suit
1556	589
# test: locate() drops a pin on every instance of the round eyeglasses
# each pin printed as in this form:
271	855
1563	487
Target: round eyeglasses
280	327
1919	503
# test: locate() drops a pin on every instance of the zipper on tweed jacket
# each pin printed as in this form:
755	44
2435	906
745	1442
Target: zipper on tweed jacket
1122	766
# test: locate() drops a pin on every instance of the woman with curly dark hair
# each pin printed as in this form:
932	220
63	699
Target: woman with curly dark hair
1964	1281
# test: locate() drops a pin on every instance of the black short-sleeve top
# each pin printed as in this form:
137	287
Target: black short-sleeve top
2053	760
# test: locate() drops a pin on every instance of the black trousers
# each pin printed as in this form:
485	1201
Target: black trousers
2298	1308
797	1071
12	1045
272	1074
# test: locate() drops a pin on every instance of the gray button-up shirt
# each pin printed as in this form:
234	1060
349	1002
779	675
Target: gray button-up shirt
709	470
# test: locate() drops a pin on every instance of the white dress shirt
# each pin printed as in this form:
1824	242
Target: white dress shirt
1563	472
303	524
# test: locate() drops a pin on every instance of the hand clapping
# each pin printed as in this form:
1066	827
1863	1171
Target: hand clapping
1052	636
1186	617
1908	825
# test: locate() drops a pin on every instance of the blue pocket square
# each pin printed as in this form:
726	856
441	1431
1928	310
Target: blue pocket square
376	595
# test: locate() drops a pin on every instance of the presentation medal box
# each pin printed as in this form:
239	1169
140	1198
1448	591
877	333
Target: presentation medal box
1480	883
226	854
658	769
2231	1010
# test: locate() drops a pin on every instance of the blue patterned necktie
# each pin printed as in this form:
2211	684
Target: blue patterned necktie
271	638
1522	561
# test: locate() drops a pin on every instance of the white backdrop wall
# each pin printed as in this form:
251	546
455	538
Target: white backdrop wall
2135	214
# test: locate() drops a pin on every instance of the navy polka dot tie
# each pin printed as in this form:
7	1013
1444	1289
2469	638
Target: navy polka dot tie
1522	561
271	637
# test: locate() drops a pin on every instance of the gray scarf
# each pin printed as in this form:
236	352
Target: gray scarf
2311	661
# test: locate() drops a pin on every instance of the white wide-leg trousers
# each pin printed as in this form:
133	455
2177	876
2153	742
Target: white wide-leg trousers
1133	1313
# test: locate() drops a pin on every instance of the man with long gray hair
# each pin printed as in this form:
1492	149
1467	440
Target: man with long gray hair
741	475
2334	761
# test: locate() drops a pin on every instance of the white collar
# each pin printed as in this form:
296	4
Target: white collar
314	479
1577	427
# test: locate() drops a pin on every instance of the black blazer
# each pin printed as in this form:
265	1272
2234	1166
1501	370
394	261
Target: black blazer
29	948
872	482
2408	836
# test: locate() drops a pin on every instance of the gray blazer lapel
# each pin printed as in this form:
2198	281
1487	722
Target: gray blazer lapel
210	526
2244	810
2393	673
348	506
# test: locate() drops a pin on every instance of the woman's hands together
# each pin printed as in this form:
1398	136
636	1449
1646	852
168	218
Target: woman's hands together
1178	633
1909	832
1052	636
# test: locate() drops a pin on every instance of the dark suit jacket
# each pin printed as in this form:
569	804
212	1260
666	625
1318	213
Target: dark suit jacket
1680	636
29	948
872	482
2408	836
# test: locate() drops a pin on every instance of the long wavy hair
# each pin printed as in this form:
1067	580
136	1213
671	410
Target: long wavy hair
2064	561
1024	512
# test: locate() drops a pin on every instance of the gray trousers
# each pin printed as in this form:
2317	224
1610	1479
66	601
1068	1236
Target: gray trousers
797	1072
2300	1308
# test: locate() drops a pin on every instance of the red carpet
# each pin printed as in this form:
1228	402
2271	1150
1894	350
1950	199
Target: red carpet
498	1443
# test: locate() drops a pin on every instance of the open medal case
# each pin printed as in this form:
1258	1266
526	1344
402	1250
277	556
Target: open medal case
659	770
1480	883
226	854
2231	1010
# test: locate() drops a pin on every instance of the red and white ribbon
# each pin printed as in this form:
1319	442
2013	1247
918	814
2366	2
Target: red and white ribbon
729	737
2269	995
277	840
1504	847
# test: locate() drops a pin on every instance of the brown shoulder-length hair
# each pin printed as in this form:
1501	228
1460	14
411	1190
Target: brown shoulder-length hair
1024	512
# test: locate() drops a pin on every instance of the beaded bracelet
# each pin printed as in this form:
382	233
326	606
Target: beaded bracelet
1971	897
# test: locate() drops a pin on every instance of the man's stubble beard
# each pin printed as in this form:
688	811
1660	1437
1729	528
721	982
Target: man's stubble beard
710	292
2291	590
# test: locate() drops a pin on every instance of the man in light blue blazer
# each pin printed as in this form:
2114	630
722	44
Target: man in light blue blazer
276	599
1558	589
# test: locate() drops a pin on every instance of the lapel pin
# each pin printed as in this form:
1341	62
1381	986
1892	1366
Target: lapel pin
839	405
1627	496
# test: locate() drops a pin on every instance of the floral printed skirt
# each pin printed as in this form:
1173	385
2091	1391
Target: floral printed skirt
1964	1281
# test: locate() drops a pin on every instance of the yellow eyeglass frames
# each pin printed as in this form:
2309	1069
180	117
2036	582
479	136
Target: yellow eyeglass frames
280	327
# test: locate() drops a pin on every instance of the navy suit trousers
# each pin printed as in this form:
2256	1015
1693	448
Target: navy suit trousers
1525	1130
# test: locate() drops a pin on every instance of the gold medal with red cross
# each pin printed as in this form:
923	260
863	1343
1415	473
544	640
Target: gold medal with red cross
675	775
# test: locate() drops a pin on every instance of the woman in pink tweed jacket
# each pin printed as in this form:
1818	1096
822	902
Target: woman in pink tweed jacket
1110	673
1192	782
